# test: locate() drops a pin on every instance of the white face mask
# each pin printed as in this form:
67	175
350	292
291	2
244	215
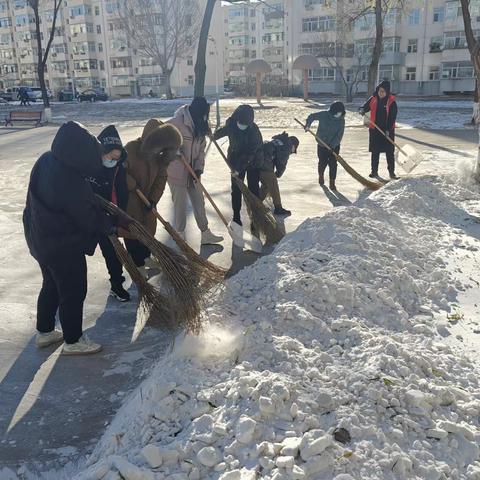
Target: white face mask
109	163
241	126
338	114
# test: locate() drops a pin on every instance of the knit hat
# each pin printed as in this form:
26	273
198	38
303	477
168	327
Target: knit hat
385	85
110	139
244	114
337	107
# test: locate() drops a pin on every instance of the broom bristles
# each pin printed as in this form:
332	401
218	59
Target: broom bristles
261	216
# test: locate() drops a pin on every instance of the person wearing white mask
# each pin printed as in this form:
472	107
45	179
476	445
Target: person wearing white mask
192	122
331	127
245	153
111	183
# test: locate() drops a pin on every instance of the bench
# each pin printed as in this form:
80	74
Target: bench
23	116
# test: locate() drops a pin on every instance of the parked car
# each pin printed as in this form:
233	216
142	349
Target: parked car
93	96
38	92
6	95
66	96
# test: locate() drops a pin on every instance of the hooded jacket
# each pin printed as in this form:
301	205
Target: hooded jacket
245	148
276	154
148	158
192	150
330	129
62	217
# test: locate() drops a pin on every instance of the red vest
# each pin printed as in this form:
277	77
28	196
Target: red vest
374	106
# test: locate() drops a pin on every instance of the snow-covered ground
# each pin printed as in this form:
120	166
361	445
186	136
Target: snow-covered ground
276	112
328	359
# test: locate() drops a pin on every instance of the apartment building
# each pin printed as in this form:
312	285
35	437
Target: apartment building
424	48
90	50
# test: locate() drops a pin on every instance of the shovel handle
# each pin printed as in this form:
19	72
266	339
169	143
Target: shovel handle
210	199
387	137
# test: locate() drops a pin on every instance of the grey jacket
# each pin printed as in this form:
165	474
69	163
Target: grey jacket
330	129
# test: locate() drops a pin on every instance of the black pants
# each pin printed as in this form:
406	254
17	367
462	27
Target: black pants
138	251
64	289
327	159
390	154
114	266
253	181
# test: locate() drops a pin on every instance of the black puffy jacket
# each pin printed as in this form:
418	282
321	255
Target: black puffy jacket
276	153
108	180
62	217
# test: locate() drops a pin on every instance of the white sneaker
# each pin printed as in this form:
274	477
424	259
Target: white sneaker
84	346
208	238
45	339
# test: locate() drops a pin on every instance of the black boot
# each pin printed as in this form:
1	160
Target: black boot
117	291
236	218
373	175
282	212
393	176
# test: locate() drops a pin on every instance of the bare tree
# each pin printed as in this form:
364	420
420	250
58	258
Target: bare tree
379	9
472	42
43	52
164	30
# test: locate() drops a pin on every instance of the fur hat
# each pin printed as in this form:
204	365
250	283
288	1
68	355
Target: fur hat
162	139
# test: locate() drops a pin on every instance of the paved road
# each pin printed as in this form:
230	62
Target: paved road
53	408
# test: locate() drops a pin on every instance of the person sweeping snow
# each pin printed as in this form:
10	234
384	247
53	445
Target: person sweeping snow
111	184
62	223
148	158
383	112
276	153
331	127
244	153
192	122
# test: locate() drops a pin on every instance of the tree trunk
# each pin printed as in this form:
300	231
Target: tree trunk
473	44
349	93
201	64
40	62
377	49
305	85
259	87
168	85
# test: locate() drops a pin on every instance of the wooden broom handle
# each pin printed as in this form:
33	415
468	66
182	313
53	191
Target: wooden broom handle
147	203
386	136
319	140
210	199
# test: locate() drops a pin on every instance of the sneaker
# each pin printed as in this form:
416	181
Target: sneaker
394	177
282	212
45	339
84	346
208	238
373	175
117	291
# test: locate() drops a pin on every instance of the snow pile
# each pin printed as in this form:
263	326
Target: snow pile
322	360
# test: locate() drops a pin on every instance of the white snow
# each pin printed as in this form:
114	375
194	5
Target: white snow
337	328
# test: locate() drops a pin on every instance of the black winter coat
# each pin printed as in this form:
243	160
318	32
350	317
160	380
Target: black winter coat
62	217
246	146
377	142
109	179
276	154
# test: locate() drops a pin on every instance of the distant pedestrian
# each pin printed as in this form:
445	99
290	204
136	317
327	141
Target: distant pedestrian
192	122
148	158
276	153
63	222
23	96
245	152
331	127
111	183
383	112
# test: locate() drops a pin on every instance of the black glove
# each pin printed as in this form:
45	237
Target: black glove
198	173
361	111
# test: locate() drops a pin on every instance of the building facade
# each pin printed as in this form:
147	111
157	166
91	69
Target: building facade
90	51
424	49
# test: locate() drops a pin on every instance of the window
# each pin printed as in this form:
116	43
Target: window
101	65
3	7
438	14
436	44
190	61
434	73
99	29
391	44
453	11
121	62
100	47
414	17
411	73
253	27
364	48
386	72
111	8
97	11
455	40
190	79
80	10
412	46
366	22
238	12
318	24
19	4
457	70
81	28
324	73
5	22
308	3
391	18
21	20
120	81
59	48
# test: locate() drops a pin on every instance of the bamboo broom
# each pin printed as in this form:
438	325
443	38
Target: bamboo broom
182	286
262	217
209	274
342	162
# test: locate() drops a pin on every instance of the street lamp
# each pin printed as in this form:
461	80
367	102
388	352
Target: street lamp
217	90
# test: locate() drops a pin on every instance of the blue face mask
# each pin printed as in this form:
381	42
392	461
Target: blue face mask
109	163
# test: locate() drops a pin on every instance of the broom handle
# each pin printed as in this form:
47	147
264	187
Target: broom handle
147	203
224	157
387	137
210	199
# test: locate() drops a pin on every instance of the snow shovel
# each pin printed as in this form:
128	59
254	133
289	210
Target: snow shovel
408	157
240	238
365	182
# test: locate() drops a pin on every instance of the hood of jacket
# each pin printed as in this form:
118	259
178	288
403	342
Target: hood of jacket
77	148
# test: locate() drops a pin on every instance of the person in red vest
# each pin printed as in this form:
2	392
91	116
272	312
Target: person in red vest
383	111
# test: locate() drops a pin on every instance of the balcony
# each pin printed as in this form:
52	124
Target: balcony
122	71
392	58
